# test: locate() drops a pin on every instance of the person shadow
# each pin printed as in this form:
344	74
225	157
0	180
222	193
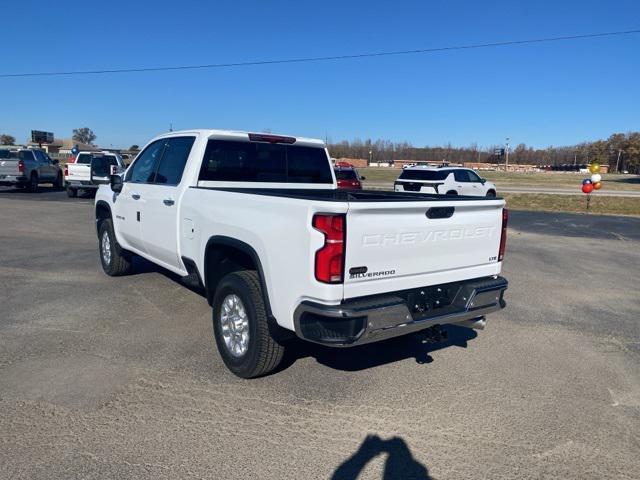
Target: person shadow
400	463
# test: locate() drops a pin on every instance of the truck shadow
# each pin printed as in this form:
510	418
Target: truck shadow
400	462
417	345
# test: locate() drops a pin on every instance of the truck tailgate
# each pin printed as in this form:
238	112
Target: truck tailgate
393	246
79	172
8	167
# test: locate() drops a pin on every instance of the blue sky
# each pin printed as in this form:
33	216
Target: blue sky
544	94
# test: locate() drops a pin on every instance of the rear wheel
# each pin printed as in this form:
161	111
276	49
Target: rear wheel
241	326
115	261
32	186
57	183
72	192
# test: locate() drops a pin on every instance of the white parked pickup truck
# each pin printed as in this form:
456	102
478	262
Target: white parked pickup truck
90	170
281	252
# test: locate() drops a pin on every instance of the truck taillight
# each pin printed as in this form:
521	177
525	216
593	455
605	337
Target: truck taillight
329	265
20	166
503	236
66	171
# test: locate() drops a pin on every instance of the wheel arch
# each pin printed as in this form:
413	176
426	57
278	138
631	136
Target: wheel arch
103	212
225	255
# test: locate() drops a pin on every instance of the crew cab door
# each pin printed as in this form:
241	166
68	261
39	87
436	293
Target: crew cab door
129	204
464	184
160	215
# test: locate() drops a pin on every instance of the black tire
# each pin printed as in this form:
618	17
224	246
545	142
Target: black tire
32	186
452	192
57	183
264	354
119	261
491	194
72	192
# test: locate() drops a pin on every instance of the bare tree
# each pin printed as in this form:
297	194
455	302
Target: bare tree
84	135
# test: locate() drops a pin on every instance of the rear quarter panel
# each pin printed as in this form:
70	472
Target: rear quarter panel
278	229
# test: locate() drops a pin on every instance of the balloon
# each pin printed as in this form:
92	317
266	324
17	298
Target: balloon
597	185
594	167
587	187
596	177
585	181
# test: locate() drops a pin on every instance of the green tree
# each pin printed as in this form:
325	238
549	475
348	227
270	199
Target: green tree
6	139
84	135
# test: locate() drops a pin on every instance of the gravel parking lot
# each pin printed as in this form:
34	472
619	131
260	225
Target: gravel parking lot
119	377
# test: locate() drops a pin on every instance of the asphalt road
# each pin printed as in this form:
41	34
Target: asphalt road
119	378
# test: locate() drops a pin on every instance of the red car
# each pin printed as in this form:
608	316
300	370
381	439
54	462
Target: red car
348	178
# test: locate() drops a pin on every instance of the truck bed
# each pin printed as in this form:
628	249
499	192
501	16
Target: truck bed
333	195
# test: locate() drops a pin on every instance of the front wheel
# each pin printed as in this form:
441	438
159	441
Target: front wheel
114	261
452	192
72	192
241	326
491	194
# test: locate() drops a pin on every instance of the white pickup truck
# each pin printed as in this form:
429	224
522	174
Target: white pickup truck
280	252
90	170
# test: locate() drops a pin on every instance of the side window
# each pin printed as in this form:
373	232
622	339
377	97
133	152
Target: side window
473	176
40	156
461	175
144	168
174	159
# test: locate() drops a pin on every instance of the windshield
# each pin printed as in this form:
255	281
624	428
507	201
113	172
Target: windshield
424	174
346	175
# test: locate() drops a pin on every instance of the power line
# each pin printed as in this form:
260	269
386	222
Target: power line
321	59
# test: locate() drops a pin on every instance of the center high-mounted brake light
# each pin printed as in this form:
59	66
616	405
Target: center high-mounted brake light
263	137
20	166
503	236
329	265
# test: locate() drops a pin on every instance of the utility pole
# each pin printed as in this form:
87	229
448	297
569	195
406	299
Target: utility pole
171	127
506	162
370	153
618	161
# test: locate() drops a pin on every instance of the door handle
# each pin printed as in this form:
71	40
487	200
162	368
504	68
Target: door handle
168	202
135	196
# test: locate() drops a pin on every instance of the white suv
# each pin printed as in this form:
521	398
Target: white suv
443	181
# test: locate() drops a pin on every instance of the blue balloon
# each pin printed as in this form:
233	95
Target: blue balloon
586	180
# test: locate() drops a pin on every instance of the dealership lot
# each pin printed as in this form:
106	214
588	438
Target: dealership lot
119	377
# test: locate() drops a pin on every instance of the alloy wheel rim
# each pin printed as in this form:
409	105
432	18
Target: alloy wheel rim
106	248
234	324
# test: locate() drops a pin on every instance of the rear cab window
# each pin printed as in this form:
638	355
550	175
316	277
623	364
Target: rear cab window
84	158
260	162
346	174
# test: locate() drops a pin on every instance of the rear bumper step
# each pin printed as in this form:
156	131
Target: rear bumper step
378	317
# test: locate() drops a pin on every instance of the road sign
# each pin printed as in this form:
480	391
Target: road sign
499	152
38	136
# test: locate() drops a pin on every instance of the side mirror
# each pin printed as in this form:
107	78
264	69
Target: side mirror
483	180
116	183
363	178
55	161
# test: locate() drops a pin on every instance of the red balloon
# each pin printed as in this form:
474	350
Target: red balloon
587	187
